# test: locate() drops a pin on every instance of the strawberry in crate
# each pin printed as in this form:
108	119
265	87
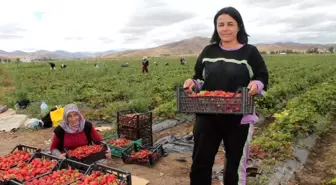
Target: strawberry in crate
59	177
13	159
26	171
85	151
141	154
136	154
98	177
216	93
130	118
119	142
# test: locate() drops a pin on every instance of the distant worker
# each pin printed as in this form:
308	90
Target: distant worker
96	65
166	63
52	66
124	65
145	64
182	60
156	63
63	66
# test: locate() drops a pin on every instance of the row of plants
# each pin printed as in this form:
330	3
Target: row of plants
308	113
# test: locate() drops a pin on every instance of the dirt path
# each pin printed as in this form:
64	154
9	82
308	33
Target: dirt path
321	164
167	171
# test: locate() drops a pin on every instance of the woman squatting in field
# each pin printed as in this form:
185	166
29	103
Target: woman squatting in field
73	131
228	63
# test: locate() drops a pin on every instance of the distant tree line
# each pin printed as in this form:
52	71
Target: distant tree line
311	50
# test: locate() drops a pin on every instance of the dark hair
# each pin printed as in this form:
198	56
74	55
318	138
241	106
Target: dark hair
234	13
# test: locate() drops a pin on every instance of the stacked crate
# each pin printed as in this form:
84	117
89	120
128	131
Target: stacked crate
133	125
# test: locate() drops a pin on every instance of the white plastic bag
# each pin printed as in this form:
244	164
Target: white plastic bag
33	123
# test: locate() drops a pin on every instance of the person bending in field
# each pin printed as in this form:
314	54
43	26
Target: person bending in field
145	65
72	132
52	66
226	64
63	66
182	60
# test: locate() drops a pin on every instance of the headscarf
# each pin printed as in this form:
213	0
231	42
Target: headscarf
64	123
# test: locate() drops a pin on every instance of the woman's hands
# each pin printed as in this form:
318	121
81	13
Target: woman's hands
188	85
253	88
62	156
108	153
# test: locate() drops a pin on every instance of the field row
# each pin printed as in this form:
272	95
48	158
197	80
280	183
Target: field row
102	91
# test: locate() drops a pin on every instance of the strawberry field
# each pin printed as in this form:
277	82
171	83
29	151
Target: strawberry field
300	100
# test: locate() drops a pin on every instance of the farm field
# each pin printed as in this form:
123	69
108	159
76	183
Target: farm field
300	100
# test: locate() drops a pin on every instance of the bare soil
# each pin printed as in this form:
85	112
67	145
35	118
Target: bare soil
321	164
167	171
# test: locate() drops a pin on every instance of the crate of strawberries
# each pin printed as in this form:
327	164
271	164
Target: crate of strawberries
19	154
39	164
215	102
68	172
101	174
143	155
88	154
117	144
133	119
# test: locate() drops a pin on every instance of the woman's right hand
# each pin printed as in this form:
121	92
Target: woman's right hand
188	85
62	156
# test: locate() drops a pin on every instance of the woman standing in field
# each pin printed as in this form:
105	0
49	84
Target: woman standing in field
226	64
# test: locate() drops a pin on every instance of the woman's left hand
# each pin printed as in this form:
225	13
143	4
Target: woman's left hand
108	153
253	88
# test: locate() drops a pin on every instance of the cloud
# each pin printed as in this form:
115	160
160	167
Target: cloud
11	28
10	36
73	38
297	21
135	24
130	38
11	31
137	30
159	17
271	3
304	5
151	14
197	26
106	40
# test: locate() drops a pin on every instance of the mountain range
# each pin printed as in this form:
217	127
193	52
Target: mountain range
192	46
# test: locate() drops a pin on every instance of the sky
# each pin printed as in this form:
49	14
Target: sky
101	25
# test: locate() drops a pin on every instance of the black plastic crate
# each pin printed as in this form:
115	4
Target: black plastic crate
124	178
41	156
81	167
133	119
29	149
144	133
91	158
147	140
65	165
239	104
156	153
